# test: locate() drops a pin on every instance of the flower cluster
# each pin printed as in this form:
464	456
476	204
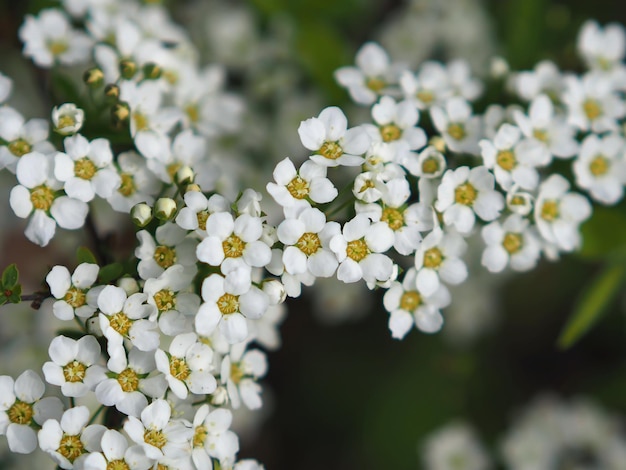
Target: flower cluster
180	324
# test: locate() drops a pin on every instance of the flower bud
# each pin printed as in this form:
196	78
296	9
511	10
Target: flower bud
249	203
219	397
184	175
141	214
152	71
129	285
128	69
165	208
93	326
93	77
275	291
67	119
111	93
499	67
120	113
193	187
438	143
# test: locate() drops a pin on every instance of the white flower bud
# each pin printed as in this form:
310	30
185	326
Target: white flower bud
249	203
67	119
185	175
220	396
499	67
129	285
165	208
519	202
269	236
93	326
275	291
141	214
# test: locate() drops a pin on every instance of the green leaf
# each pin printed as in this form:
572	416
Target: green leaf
3	299
84	255
10	277
604	234
16	294
592	304
111	272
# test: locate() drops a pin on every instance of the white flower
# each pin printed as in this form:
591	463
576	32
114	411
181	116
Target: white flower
22	137
127	386
21	406
545	78
429	87
50	38
70	439
71	291
552	132
36	195
429	163
157	434
306	239
457	447
461	81
558	213
371	77
116	453
592	103
125	317
213	438
309	182
227	305
67	118
408	306
439	257
187	366
601	48
86	168
187	150
6	86
397	123
463	192
519	202
359	249
138	184
512	242
328	135
600	167
458	127
240	372
197	210
513	161
172	246
73	366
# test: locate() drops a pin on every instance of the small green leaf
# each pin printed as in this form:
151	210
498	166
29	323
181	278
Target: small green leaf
84	255
3	299
10	277
592	304
604	235
111	272
16	294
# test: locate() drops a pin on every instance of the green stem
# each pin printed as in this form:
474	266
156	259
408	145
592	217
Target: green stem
95	415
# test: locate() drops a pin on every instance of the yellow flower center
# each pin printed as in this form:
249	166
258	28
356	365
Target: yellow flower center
42	197
57	47
298	188
233	246
393	218
550	210
117	465
193	112
165	300
164	256
74	371
433	258
141	121
19	147
512	242
506	160
430	166
172	168
541	134
236	373
425	96
179	368
199	436
228	303
357	250
20	413
127	188
309	243
84	168
517	201
75	297
71	447
120	323
66	121
465	194
331	150
375	84
592	109
390	132
456	131
202	217
155	438
599	165
410	300
128	380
